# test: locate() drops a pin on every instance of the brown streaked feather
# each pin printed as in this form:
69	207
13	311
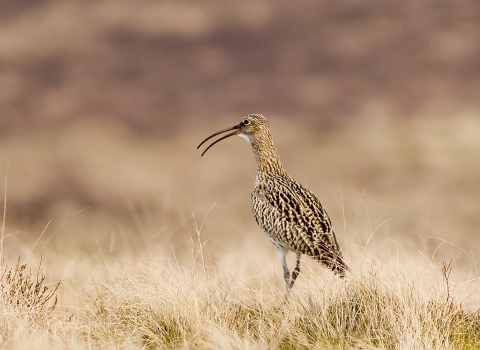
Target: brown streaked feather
306	226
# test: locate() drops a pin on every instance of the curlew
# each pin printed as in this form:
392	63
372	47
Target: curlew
291	215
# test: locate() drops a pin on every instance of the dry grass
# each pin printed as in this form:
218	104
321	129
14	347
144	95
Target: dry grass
164	303
384	308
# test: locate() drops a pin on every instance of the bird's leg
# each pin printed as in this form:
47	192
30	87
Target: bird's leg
282	255
295	271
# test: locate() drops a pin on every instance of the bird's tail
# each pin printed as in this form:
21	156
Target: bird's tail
341	270
334	262
339	267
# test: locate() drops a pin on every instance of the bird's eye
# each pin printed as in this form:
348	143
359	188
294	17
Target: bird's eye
246	122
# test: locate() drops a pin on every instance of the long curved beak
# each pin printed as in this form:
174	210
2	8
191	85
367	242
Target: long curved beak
236	131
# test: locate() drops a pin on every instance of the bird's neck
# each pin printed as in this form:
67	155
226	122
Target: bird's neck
268	160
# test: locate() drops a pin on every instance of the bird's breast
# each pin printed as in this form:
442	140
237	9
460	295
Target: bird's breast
266	216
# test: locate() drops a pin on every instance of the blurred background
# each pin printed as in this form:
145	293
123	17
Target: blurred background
373	105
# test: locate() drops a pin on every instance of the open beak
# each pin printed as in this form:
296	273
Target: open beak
236	131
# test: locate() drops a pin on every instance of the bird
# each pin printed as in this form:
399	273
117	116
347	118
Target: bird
291	216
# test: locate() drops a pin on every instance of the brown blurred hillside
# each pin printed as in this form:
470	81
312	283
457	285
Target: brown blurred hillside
374	105
161	64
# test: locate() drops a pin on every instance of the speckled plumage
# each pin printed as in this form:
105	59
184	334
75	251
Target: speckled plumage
291	215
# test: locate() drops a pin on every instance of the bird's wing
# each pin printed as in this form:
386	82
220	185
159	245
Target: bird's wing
304	213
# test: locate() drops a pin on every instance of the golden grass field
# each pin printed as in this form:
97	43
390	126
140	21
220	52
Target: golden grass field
157	248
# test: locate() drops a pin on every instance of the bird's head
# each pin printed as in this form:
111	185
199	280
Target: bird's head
252	127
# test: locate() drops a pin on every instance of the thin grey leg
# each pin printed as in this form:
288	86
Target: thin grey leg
295	271
282	255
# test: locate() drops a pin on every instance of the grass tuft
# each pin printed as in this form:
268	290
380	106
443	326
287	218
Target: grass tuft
26	292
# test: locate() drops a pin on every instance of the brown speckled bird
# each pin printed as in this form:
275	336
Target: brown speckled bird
291	215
